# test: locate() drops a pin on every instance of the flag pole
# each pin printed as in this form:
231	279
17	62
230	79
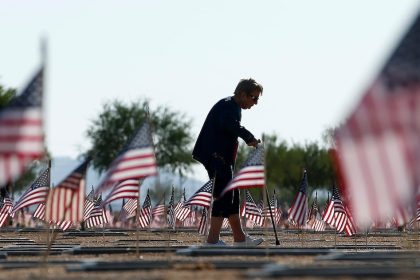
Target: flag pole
171	216
267	197
137	224
157	183
45	266
208	220
244	219
265	200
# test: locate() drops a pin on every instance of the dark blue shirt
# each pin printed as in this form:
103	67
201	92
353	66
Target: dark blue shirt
220	133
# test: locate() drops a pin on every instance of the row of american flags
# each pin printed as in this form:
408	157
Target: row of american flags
376	152
185	213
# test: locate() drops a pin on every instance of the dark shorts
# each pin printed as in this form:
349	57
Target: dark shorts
228	204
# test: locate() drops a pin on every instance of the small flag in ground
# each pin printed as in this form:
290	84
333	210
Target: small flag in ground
66	201
202	227
135	161
89	204
39	212
350	227
203	196
318	223
273	205
5	210
190	221
21	130
97	215
313	209
299	209
335	214
181	210
340	215
64	225
171	210
251	174
251	211
36	193
129	209
145	214
158	210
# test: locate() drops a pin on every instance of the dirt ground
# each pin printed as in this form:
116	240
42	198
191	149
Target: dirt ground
184	267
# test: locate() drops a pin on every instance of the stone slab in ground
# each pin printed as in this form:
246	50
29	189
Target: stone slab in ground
144	265
145	240
16	240
32	264
256	251
277	270
95	233
371	256
121	250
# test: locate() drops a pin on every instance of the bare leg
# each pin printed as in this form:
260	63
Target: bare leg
214	231
235	224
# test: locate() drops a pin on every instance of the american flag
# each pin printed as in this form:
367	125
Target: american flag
97	215
36	193
171	210
313	209
299	209
273	205
135	161
251	211
145	214
89	204
181	210
350	227
21	130
318	223
335	215
64	225
191	219
5	210
126	189
203	196
66	201
328	215
277	209
377	146
39	212
251	174
202	226
158	210
129	208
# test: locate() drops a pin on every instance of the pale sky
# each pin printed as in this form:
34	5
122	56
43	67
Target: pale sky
314	58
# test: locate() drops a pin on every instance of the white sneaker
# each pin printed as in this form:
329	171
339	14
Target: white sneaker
218	243
249	242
